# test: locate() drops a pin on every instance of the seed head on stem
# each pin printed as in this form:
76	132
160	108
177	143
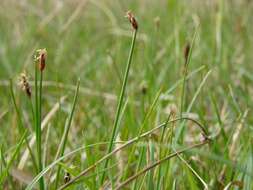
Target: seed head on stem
24	84
132	20
186	52
42	55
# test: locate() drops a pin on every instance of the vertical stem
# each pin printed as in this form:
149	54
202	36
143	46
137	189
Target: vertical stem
138	167
186	64
65	133
147	115
36	106
4	163
183	93
160	154
120	103
21	127
40	148
38	94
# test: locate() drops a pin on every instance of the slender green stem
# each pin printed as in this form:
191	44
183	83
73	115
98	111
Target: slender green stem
183	91
169	137
185	72
39	125
160	154
21	126
128	143
65	134
38	97
193	171
33	113
120	103
143	171
4	163
151	159
36	105
139	166
146	117
13	157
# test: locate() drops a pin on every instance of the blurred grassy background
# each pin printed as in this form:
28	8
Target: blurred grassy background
91	39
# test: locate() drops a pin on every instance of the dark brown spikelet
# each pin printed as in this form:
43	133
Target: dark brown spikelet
186	52
42	59
132	20
24	84
67	177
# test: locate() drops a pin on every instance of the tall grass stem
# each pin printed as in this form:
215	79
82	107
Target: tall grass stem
120	103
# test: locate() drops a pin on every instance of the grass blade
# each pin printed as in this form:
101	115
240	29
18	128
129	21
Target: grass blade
120	102
193	171
143	171
128	143
13	157
21	126
66	131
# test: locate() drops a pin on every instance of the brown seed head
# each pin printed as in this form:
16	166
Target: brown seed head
186	52
132	20
24	84
67	177
42	55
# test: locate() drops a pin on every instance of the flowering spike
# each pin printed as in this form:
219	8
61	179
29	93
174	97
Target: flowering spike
186	52
24	84
42	58
132	19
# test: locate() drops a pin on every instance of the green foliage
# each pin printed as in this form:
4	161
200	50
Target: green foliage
91	40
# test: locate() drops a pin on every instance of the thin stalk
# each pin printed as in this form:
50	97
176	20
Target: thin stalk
21	126
143	171
120	103
66	131
193	171
38	97
169	137
40	119
216	109
138	166
181	128
160	154
54	163
32	111
13	157
187	61
45	150
128	143
4	163
151	159
146	117
183	90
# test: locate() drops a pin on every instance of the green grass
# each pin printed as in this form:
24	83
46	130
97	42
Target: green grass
120	102
143	127
38	117
65	134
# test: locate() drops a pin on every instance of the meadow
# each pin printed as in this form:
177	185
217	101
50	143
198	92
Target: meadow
148	94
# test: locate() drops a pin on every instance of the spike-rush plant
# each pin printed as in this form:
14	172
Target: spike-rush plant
134	24
40	63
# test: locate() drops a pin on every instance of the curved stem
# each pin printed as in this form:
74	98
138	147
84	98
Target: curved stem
157	163
136	139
